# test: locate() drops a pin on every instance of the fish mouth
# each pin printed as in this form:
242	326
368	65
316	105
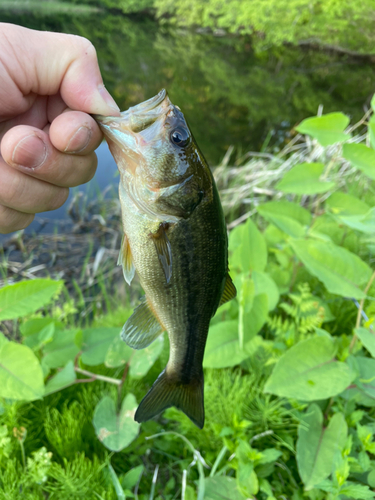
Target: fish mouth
137	118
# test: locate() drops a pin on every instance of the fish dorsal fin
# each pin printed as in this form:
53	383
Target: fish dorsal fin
142	328
164	249
126	261
229	291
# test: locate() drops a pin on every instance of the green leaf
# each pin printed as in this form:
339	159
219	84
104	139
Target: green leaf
116	431
248	248
316	446
371	131
287	216
264	284
309	372
345	204
364	392
223	347
35	325
364	223
61	349
26	297
342	272
3	339
360	491
21	376
305	179
118	353
142	360
253	311
132	477
327	129
37	340
62	379
367	338
95	343
247	479
221	488
361	157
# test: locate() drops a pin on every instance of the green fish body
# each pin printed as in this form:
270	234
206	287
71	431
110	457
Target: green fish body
175	237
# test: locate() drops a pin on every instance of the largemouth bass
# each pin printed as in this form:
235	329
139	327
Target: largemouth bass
175	237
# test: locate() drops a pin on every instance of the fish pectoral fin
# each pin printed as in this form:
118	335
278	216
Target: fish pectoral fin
229	291
167	392
163	249
126	261
142	328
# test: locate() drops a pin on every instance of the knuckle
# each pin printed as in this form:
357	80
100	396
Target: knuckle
11	220
85	47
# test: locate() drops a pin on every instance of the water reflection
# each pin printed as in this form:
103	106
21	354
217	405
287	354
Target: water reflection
229	94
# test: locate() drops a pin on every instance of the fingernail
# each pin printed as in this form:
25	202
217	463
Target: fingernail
79	140
108	99
30	152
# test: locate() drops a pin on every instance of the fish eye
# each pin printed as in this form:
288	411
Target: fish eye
180	136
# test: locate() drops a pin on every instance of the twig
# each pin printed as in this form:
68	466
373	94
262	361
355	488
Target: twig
361	304
95	376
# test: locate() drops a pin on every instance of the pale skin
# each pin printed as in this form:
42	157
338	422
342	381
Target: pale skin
50	83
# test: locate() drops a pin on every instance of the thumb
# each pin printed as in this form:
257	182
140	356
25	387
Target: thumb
45	63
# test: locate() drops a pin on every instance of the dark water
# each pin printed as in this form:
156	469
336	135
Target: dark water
229	94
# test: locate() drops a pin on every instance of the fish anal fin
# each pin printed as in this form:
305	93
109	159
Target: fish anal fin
163	249
169	391
229	291
126	261
142	328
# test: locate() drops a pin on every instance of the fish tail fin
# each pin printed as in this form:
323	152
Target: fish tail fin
169	391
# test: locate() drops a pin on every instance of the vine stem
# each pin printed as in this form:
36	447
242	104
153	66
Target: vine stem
95	376
361	304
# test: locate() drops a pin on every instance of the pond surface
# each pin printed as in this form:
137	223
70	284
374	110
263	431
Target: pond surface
229	94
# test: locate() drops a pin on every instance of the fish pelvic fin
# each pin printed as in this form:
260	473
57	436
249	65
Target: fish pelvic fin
169	391
126	261
142	328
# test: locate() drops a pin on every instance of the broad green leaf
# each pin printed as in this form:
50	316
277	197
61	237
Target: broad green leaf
364	223
342	272
132	477
118	353
364	392
61	349
62	379
356	491
371	478
265	284
309	372
248	248
3	339
116	431
95	343
221	488
35	325
305	179
251	319
223	347
371	131
372	103
345	204
327	129
367	338
37	340
143	359
362	157
26	297
21	376
288	217
316	445
247	481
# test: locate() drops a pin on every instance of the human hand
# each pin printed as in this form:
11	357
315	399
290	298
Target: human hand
49	82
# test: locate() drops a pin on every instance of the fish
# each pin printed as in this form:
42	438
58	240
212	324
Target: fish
175	238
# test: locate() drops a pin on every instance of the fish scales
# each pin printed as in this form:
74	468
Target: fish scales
176	240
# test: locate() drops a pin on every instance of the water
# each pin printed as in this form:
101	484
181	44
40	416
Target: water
229	94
